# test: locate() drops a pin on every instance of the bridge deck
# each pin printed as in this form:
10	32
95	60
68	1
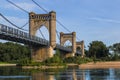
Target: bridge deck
12	34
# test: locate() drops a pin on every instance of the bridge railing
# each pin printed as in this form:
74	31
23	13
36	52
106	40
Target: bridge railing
63	48
17	33
20	34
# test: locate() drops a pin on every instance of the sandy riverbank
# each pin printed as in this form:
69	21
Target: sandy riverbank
92	65
7	64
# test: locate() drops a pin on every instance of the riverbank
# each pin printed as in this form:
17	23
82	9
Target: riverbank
7	64
92	65
42	67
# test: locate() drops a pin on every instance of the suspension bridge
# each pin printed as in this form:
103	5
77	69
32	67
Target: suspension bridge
41	48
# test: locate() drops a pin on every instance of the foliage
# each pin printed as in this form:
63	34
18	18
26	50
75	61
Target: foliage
115	48
115	57
13	52
55	59
86	53
115	52
17	53
77	60
98	49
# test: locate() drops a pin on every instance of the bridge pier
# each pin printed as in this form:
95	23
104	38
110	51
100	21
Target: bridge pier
64	54
69	55
40	54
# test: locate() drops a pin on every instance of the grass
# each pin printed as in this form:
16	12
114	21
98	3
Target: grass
4	63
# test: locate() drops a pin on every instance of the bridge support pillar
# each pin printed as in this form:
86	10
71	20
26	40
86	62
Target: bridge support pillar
69	55
41	54
65	54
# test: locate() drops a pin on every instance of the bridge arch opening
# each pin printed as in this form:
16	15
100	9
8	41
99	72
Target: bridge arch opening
68	44
43	32
78	48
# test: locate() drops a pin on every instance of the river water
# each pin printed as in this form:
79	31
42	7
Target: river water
16	73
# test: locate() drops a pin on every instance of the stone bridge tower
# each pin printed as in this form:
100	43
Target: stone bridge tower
72	38
81	46
36	21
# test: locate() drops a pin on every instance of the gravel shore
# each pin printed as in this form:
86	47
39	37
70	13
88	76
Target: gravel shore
7	64
92	65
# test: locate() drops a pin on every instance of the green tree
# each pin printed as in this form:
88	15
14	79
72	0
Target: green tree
13	52
115	51
98	49
115	48
55	59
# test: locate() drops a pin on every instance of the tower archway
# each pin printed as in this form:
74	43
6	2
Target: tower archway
48	20
43	32
68	44
71	37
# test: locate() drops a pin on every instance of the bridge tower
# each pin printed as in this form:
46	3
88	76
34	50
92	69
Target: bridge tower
36	21
81	46
72	38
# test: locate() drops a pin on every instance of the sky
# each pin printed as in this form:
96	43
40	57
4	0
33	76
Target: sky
90	19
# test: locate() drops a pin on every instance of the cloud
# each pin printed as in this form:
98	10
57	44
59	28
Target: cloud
16	20
24	5
105	20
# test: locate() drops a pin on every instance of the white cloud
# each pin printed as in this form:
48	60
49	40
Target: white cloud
16	20
27	6
105	20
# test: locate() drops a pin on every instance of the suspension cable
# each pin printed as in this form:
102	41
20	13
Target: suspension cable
17	6
24	25
47	12
11	22
41	34
78	39
44	22
58	35
40	6
63	26
22	10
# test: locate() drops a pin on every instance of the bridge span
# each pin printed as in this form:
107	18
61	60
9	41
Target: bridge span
42	48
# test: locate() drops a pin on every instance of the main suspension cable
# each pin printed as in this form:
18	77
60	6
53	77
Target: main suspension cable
58	35
40	6
24	25
47	12
11	22
17	6
41	34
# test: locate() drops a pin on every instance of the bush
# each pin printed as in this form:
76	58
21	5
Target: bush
55	59
23	62
77	60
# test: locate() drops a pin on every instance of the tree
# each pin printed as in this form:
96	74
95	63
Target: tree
115	51
98	49
115	48
13	52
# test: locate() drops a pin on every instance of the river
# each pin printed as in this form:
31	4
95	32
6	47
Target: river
17	73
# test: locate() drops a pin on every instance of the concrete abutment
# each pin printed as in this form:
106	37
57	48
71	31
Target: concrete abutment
42	53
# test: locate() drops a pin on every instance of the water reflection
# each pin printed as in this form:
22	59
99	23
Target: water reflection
15	73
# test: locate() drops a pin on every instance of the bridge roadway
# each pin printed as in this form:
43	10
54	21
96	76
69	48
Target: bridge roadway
12	34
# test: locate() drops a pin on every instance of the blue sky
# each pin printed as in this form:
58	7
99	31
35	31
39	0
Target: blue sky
90	19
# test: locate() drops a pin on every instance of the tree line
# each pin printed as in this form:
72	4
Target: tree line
14	52
98	50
